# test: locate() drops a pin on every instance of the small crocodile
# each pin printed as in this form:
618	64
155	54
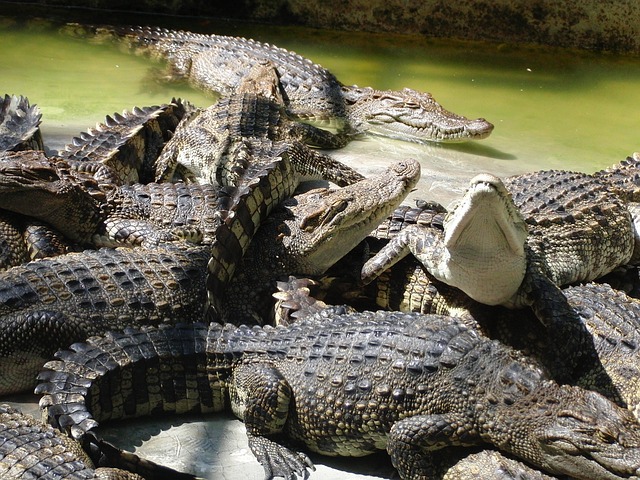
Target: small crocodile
348	384
19	125
32	450
216	63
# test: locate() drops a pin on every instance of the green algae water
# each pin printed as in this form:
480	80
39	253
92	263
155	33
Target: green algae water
551	108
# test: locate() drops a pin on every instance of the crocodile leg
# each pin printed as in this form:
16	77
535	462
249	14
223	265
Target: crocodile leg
411	439
260	395
394	251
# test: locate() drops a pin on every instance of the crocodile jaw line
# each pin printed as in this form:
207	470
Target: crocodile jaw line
484	240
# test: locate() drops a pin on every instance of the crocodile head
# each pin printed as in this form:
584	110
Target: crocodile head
590	437
46	189
409	115
327	223
484	240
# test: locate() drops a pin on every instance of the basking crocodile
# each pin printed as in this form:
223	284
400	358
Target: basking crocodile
80	294
210	145
313	232
217	63
32	450
49	303
348	384
19	125
558	228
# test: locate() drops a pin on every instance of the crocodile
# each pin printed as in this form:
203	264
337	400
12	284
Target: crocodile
311	232
32	450
347	384
515	243
609	316
216	63
50	303
122	149
84	293
208	145
19	124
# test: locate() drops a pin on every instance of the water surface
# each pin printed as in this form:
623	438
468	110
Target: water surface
552	108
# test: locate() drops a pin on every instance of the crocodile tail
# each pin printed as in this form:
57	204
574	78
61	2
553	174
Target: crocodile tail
128	374
153	42
20	124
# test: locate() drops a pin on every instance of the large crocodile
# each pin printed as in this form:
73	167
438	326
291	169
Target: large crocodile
86	293
348	384
513	244
217	63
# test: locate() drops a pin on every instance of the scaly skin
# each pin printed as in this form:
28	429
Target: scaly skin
349	384
122	149
49	304
607	363
216	63
49	190
90	292
32	450
559	227
205	145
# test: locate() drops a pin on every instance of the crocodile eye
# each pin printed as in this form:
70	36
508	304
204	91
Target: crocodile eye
340	206
605	435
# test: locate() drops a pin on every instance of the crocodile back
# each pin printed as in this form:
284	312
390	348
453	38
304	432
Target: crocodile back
49	304
575	222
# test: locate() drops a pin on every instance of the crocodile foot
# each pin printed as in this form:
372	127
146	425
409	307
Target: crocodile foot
278	461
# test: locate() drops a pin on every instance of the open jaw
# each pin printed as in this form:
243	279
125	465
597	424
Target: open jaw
413	116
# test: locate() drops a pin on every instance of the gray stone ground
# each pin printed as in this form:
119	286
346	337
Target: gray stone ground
213	447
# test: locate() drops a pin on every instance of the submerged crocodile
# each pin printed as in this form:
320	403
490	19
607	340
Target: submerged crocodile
217	63
348	384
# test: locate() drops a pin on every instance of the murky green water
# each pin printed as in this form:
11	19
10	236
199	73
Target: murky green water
552	108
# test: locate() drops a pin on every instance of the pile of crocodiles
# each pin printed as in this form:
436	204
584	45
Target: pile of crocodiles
170	260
